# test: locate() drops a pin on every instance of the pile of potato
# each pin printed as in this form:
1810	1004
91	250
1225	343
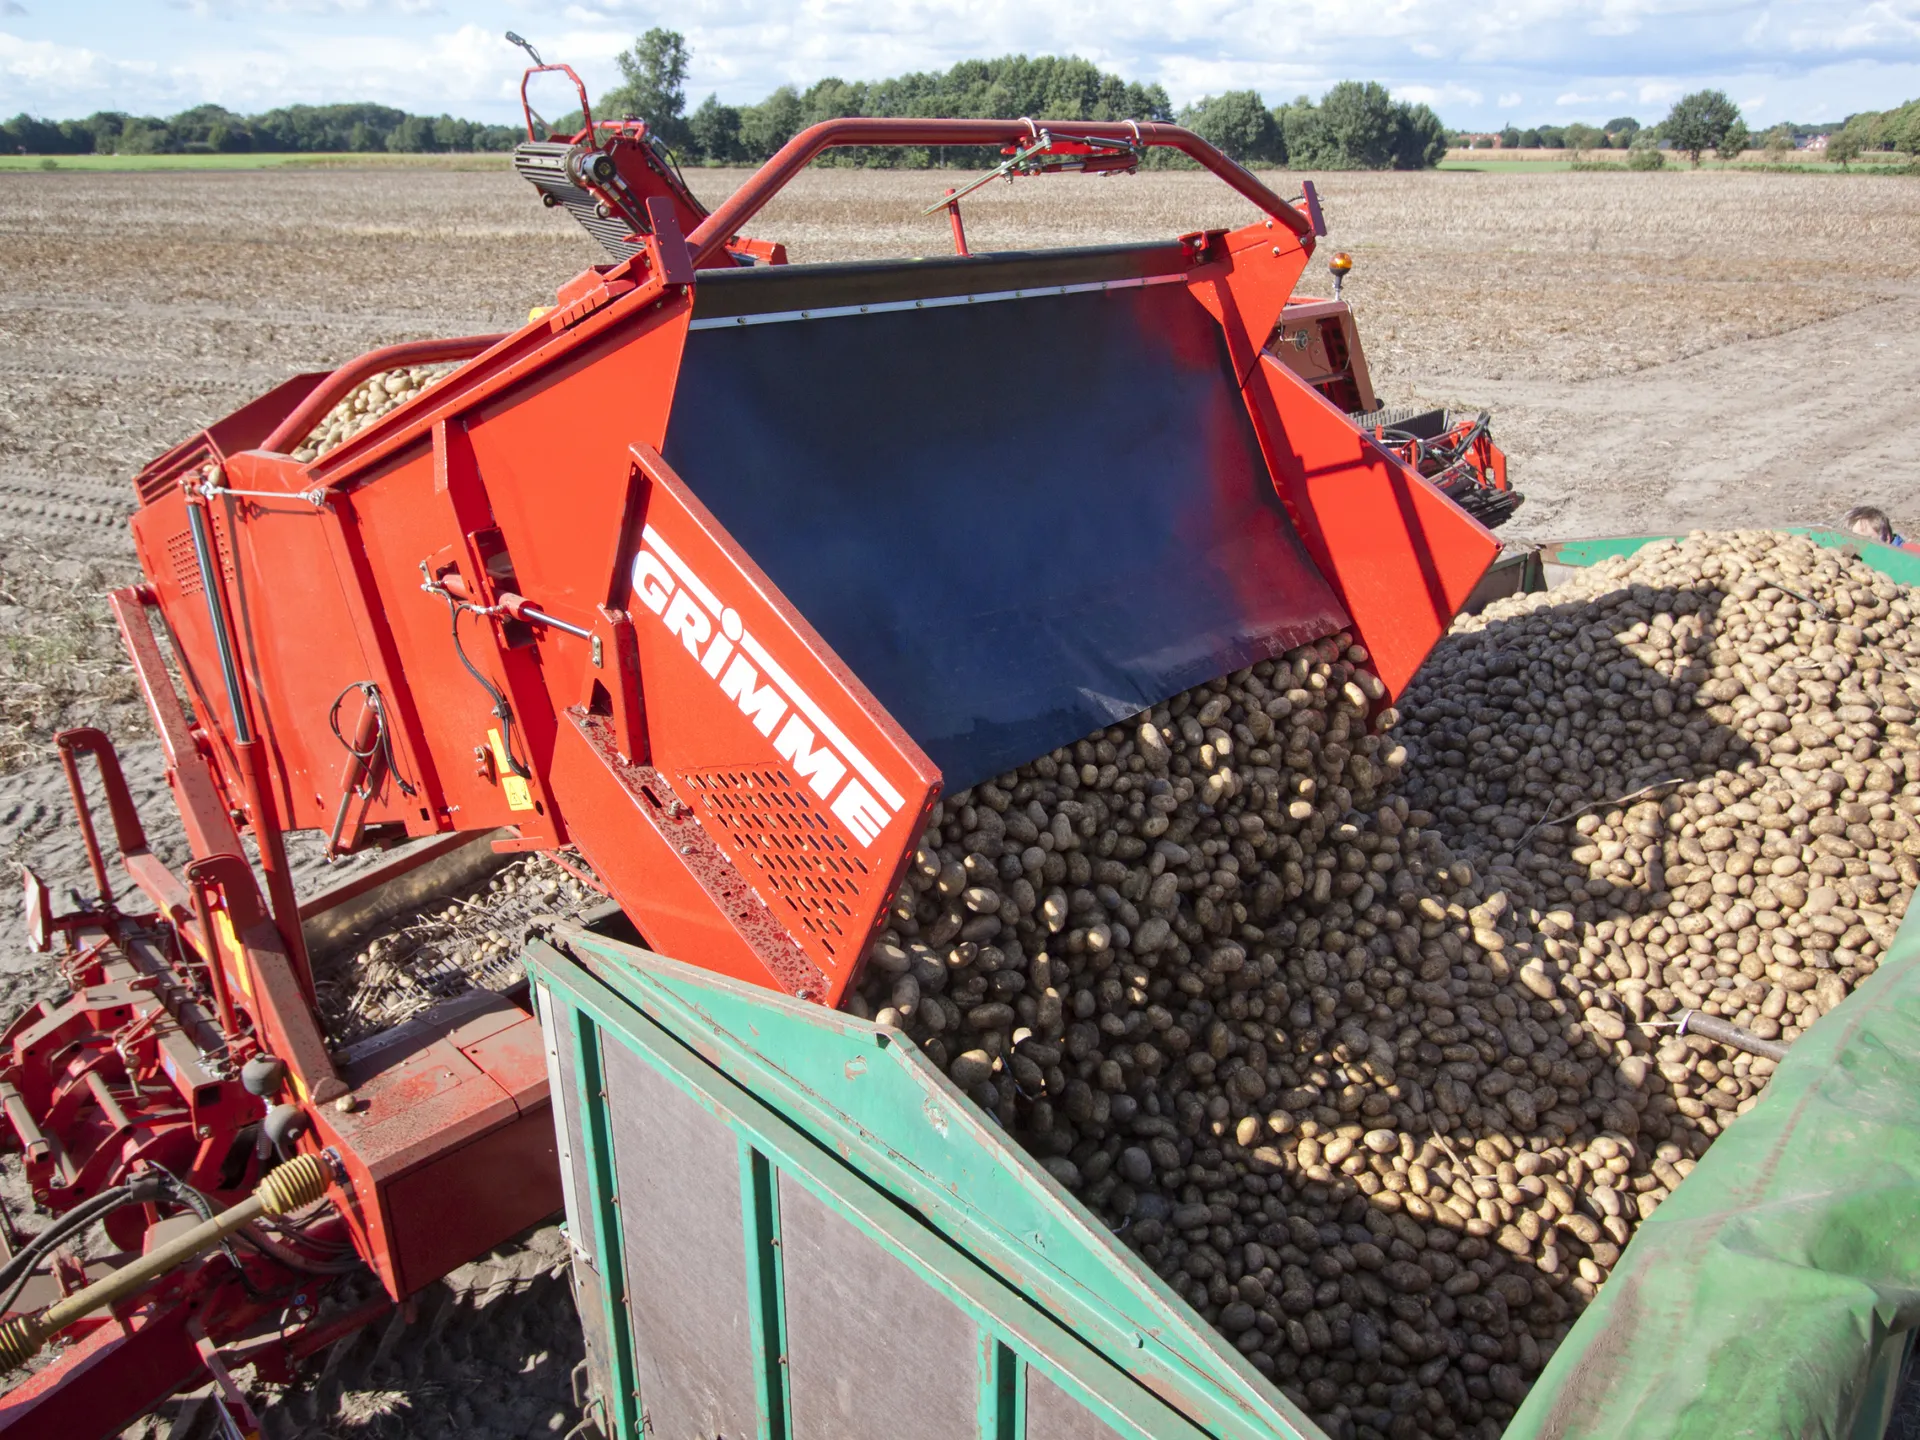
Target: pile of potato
1335	1012
366	404
1701	762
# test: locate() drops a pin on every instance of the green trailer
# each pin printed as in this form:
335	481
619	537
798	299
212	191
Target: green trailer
785	1221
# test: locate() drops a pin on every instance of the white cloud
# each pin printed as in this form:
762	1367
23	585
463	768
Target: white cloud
43	65
1510	99
1450	96
1889	23
233	9
461	68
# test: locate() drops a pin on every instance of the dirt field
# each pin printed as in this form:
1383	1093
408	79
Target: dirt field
1661	351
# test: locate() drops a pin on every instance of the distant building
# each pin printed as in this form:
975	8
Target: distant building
1814	142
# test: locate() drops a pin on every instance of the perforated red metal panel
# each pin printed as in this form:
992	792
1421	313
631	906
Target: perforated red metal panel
778	829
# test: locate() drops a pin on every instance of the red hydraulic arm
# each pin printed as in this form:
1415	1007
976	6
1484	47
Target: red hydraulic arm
804	148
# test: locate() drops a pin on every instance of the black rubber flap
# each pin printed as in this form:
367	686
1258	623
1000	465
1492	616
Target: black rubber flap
1017	520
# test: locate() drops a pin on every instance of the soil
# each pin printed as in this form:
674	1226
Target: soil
1660	351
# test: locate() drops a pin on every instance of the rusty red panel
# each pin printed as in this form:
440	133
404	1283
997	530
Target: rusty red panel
554	458
506	1045
686	897
397	519
410	1110
432	1095
285	585
470	1199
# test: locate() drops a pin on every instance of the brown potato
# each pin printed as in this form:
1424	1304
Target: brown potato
1286	994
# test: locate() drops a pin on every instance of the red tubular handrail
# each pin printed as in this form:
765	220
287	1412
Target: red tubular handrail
526	107
336	387
799	152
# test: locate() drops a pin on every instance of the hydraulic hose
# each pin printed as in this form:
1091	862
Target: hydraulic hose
17	1271
342	1264
299	1182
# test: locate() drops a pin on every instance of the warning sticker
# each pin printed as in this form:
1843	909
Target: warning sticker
519	794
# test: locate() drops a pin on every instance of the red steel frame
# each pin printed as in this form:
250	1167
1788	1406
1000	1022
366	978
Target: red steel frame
630	169
739	792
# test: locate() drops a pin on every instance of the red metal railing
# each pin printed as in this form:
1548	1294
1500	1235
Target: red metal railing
526	107
799	152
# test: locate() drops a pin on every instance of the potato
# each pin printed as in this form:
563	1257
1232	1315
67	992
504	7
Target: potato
1365	1044
366	404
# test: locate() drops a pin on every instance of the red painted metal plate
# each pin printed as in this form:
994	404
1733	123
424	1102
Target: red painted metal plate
792	768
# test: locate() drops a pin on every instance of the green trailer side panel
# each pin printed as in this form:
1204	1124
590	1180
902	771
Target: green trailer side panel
780	1241
844	1082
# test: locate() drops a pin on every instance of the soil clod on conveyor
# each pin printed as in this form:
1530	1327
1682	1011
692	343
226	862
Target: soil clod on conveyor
1364	1037
469	940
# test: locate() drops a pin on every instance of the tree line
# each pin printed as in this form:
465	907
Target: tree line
1708	121
1616	134
1877	131
1354	125
211	129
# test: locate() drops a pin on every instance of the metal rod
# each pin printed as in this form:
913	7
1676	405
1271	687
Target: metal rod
1709	1027
315	497
32	1140
723	224
299	1182
959	230
281	898
538	616
283	902
361	755
109	1106
84	813
216	963
217	613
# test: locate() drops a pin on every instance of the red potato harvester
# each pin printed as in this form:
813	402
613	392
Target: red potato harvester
715	574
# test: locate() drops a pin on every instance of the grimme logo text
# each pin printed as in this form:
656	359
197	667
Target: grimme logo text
800	731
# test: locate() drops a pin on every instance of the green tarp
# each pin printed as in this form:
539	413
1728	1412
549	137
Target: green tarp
1769	1296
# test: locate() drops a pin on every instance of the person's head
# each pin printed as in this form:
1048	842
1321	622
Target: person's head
1870	521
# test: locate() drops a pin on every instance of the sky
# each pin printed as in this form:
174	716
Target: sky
1480	65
